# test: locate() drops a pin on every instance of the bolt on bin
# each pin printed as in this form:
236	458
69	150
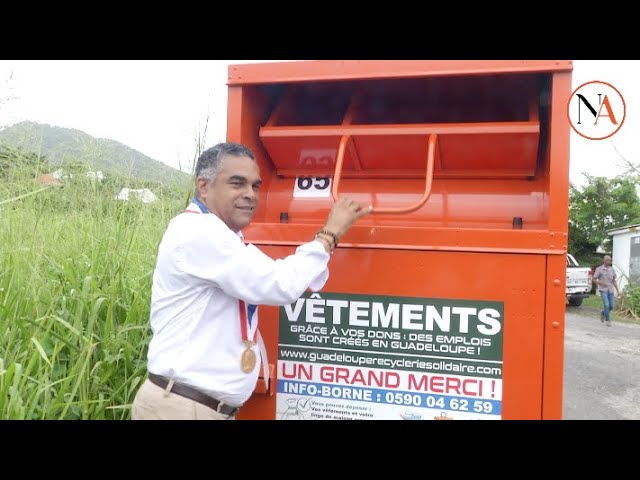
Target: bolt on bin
447	301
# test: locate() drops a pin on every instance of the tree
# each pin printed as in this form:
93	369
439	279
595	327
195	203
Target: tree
18	163
601	205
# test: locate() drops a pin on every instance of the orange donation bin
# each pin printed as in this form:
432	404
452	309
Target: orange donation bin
447	301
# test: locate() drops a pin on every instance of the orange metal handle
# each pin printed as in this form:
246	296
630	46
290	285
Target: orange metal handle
431	149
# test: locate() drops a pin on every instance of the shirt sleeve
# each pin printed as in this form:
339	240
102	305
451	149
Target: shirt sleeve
245	272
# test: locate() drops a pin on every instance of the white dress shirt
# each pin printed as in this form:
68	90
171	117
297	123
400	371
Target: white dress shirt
203	269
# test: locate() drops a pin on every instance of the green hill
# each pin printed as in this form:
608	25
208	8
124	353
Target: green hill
62	146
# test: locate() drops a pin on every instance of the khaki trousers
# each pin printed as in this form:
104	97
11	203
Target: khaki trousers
155	403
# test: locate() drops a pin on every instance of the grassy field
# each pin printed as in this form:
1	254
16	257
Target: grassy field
592	302
75	281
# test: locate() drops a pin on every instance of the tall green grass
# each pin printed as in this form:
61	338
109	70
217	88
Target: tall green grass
75	284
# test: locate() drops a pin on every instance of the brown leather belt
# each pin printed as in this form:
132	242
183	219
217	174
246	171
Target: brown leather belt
193	394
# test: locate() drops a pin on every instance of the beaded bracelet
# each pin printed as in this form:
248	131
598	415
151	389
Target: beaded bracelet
332	235
329	241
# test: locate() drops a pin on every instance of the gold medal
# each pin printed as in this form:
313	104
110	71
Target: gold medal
248	358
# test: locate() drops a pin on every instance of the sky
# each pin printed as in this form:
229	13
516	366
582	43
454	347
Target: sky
161	107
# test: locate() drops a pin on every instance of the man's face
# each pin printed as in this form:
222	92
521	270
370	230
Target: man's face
607	261
233	195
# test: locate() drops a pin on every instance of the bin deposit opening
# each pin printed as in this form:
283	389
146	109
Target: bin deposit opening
487	126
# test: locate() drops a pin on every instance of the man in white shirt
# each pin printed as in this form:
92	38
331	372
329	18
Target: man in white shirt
204	355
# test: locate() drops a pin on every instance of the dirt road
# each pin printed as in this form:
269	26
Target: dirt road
601	368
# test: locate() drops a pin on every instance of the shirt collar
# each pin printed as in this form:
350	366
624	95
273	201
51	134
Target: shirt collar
196	205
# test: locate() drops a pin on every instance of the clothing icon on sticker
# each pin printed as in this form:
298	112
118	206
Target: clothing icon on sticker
411	416
442	416
296	408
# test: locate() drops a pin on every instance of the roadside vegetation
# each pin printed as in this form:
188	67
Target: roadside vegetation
624	311
75	282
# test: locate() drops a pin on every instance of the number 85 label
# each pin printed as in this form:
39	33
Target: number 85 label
312	187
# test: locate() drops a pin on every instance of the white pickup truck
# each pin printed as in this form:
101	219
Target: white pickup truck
578	281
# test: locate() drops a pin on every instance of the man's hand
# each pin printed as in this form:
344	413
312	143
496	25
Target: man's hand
343	214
